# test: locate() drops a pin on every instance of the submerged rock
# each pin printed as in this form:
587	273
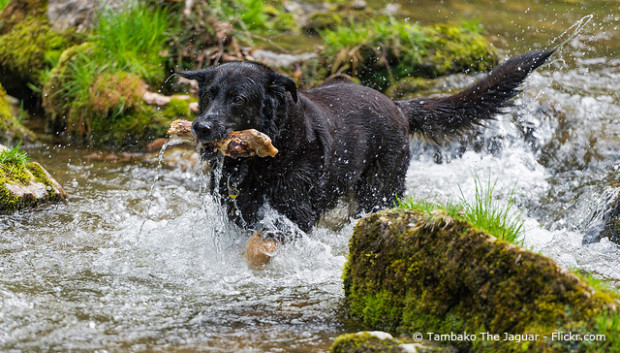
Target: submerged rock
411	272
26	184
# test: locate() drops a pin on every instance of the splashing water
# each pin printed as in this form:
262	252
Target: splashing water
129	264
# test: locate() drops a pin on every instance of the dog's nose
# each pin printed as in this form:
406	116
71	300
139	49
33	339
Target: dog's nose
202	130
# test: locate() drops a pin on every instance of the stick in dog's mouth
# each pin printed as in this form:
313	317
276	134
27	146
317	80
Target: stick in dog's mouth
237	144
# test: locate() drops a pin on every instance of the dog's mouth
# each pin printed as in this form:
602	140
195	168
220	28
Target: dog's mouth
208	151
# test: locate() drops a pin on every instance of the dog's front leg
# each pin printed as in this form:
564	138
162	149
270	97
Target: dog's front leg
259	251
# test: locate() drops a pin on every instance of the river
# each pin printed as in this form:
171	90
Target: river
119	268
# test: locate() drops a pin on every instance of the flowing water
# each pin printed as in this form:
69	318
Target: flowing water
129	265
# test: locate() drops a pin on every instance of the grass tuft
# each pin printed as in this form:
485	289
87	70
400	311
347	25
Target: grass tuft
490	215
132	40
127	44
486	212
14	156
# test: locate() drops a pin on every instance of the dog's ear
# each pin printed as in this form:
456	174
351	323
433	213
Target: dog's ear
203	76
279	81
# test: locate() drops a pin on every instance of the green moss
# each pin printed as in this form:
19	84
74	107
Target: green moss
457	49
30	47
14	173
438	274
137	126
365	342
383	51
68	85
104	109
95	92
10	127
177	109
15	12
17	170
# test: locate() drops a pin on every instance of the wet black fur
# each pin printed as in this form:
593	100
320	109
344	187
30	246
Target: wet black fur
338	139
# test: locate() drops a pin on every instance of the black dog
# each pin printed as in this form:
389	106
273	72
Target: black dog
339	139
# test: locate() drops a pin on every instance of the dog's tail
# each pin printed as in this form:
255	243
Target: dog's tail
438	119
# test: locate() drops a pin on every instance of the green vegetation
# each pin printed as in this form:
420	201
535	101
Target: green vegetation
410	272
31	48
16	172
486	212
95	91
11	126
146	40
132	40
14	156
364	342
254	15
3	3
381	52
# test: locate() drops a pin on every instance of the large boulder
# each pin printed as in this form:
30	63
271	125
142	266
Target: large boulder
411	272
25	183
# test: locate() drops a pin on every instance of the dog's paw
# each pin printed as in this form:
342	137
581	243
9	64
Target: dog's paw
259	251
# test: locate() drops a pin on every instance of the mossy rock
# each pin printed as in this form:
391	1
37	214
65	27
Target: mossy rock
57	98
10	127
380	342
113	114
410	272
29	47
26	184
384	51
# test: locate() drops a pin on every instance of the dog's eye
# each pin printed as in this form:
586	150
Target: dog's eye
238	100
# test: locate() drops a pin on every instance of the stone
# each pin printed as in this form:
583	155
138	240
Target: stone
412	272
27	184
79	14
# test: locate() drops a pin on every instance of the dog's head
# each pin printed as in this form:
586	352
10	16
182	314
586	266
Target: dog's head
238	96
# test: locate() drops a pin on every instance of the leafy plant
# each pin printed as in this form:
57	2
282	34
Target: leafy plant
3	4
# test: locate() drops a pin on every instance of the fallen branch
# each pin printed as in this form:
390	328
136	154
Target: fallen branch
238	144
